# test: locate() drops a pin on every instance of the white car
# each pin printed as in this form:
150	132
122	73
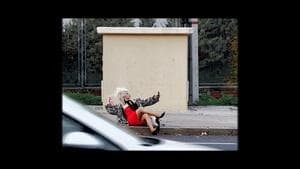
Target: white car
83	129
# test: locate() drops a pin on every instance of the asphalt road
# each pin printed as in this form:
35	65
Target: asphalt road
226	143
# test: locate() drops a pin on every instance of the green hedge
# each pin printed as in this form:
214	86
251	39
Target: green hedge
85	98
206	99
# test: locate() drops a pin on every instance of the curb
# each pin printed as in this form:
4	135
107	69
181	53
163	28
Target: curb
186	131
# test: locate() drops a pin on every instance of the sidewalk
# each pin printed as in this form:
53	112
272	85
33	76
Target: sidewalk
198	120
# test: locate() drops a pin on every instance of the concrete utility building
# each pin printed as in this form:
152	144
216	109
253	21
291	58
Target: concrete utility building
146	60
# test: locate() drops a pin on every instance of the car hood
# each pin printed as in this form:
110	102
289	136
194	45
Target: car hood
170	145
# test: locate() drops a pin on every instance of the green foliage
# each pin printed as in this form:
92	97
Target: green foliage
69	48
147	22
217	48
85	98
206	99
215	55
234	60
93	48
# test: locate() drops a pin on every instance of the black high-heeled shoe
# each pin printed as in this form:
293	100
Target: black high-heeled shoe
156	131
162	115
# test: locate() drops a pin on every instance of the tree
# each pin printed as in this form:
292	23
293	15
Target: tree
215	36
234	60
69	47
147	22
160	22
136	22
71	68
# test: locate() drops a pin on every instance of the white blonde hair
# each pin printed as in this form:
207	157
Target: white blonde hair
119	94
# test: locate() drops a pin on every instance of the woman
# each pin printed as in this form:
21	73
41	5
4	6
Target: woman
134	112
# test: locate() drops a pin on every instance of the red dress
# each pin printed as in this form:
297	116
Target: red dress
132	117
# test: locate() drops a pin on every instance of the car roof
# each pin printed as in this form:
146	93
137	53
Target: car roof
119	136
100	125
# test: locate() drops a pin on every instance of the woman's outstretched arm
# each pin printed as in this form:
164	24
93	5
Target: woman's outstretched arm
148	101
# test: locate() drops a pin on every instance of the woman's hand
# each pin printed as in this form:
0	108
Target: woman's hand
110	102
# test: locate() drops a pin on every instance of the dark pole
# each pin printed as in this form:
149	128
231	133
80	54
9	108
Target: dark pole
81	50
78	52
84	34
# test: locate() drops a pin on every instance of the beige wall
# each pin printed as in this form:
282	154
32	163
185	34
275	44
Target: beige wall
146	64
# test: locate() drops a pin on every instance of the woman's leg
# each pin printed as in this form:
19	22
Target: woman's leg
141	111
146	117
